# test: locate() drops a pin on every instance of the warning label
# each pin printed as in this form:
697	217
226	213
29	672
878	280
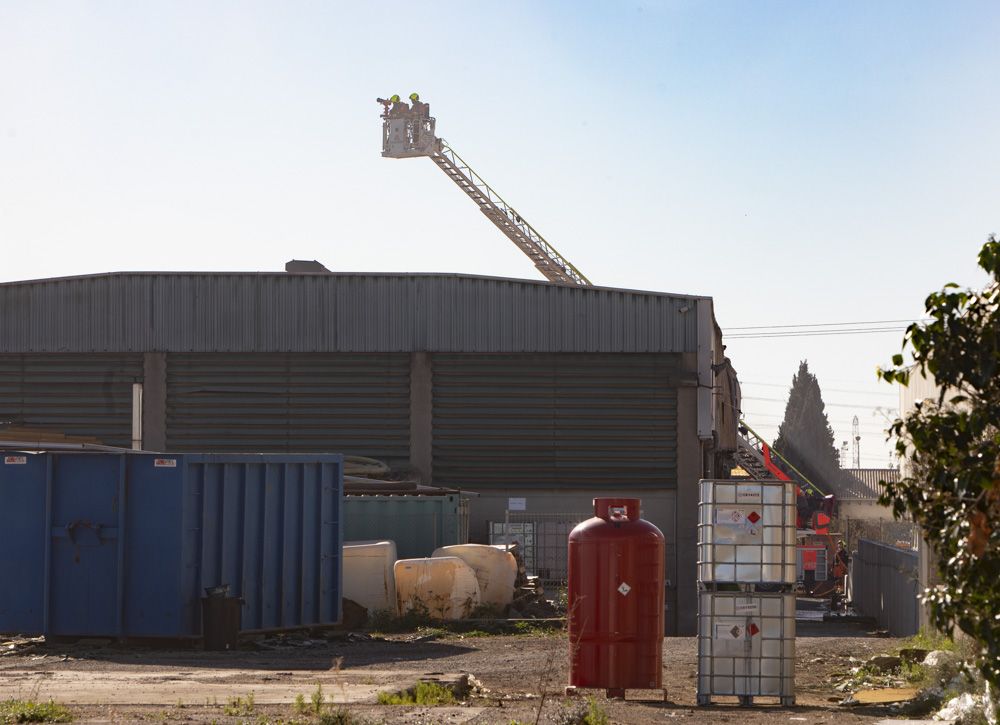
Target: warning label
624	589
165	462
15	460
734	637
736	525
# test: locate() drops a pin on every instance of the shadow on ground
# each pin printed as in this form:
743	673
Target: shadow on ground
323	656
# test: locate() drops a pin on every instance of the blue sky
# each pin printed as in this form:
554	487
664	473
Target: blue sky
800	162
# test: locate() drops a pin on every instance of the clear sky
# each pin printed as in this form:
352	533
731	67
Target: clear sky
800	162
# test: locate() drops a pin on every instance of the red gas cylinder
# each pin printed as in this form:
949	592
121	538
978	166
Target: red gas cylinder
615	605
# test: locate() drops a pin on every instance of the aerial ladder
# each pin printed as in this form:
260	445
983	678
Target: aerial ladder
410	132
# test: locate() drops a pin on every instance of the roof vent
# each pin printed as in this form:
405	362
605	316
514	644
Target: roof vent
305	266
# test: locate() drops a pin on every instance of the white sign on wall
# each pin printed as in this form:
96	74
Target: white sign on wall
517	504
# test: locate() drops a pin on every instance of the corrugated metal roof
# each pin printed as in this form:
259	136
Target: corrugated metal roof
280	312
864	483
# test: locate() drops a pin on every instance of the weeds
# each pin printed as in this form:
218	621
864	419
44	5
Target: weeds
589	713
595	714
929	639
317	699
385	621
239	706
300	704
15	711
341	717
425	693
536	629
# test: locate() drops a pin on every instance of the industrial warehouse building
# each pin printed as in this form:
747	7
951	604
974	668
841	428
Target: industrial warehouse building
542	393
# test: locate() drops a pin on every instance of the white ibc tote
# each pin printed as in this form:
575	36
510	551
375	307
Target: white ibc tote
746	646
746	532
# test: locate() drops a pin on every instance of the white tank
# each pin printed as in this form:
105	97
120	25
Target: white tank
445	587
495	568
368	575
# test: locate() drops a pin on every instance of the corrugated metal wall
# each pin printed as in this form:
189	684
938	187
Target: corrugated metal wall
89	395
555	420
252	312
346	403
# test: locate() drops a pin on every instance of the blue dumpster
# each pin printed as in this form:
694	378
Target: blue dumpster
126	544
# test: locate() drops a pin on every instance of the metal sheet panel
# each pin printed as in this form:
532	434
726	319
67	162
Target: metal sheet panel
280	312
358	404
23	488
575	421
418	524
885	586
125	544
88	395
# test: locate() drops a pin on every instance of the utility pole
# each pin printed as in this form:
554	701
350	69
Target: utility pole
856	429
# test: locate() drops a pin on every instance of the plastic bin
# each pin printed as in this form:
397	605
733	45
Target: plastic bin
220	617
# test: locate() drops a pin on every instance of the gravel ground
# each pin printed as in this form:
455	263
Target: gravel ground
101	682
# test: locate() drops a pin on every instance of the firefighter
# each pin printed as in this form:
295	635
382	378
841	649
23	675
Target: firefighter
420	109
400	109
840	562
841	559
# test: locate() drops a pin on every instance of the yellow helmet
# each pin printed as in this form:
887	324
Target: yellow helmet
395	98
414	96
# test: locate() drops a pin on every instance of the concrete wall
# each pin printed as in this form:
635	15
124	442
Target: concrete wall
866	509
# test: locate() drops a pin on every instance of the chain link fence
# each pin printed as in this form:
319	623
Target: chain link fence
898	534
543	541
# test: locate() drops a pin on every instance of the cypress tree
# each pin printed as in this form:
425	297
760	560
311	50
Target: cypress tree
805	437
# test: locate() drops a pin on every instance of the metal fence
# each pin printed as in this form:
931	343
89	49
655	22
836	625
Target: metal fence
899	534
884	585
543	540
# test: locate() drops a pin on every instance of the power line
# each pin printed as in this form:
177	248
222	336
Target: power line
829	405
859	391
812	333
823	324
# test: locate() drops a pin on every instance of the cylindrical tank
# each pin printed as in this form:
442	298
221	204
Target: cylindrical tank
442	588
615	605
496	570
369	579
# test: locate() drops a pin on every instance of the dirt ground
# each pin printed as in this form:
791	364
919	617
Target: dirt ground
103	682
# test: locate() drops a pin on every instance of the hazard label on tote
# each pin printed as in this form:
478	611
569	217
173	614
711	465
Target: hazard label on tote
165	463
624	589
736	525
15	460
731	516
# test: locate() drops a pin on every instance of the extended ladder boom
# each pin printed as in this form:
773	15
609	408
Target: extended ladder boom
409	133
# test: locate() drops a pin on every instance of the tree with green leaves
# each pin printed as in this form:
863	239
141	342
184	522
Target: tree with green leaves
805	437
953	445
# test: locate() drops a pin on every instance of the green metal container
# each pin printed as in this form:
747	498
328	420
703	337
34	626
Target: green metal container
418	524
